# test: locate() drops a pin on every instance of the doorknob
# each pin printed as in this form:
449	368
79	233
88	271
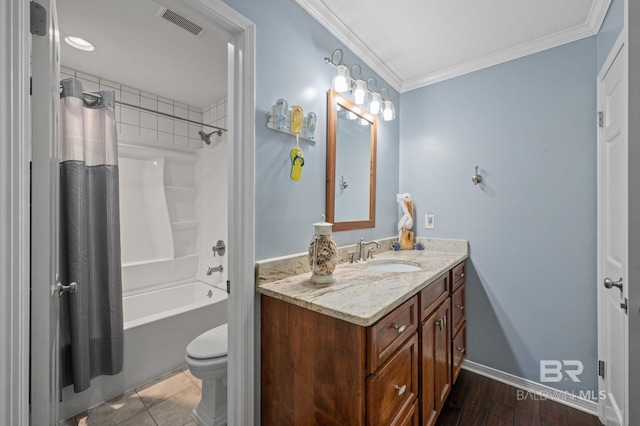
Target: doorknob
608	283
71	288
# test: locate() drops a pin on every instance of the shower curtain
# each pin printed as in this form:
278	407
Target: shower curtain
91	321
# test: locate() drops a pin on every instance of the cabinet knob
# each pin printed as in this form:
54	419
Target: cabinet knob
401	389
461	350
461	307
400	328
461	275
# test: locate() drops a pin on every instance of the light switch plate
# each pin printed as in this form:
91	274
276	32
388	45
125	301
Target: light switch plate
429	221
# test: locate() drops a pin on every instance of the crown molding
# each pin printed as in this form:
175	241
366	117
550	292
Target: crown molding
335	26
590	27
322	14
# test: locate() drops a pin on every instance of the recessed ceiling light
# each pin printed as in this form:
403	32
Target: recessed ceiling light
79	43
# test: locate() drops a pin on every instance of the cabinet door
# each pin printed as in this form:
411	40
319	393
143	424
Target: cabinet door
459	350
457	309
442	345
436	363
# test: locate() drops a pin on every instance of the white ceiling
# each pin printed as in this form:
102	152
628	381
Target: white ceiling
409	43
137	48
414	43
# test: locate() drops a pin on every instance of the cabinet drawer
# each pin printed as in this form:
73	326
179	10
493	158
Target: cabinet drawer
457	309
459	350
388	334
432	295
394	386
458	275
408	416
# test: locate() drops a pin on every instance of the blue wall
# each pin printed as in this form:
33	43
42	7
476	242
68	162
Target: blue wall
530	126
290	51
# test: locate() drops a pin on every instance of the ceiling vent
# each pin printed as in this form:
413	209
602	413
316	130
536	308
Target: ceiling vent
181	21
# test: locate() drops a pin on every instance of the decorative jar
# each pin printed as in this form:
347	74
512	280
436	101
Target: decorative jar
323	253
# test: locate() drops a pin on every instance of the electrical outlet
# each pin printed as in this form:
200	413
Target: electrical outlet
429	221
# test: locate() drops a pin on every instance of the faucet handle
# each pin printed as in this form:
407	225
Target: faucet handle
370	253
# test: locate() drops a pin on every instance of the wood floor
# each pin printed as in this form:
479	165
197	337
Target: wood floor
477	400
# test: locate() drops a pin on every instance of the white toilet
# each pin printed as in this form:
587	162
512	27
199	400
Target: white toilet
207	360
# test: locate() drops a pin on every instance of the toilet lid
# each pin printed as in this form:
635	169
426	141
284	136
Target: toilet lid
210	344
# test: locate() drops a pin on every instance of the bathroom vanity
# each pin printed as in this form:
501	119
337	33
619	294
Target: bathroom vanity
377	347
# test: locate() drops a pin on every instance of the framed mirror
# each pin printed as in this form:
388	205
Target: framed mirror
351	164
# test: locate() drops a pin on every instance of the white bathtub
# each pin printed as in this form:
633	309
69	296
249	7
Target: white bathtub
158	326
143	308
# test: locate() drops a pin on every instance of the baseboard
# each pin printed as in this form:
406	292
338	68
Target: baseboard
540	390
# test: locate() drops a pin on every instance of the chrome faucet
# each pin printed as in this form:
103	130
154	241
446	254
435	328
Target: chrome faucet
362	245
211	270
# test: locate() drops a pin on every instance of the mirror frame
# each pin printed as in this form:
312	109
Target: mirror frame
333	101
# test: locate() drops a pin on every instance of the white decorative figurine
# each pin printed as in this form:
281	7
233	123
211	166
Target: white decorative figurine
405	235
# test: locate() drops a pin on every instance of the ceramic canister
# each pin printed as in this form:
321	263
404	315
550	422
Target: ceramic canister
323	253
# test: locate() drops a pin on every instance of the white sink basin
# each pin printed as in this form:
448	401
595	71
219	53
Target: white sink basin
394	267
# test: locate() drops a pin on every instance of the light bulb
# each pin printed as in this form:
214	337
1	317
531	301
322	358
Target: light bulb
360	92
374	105
389	111
341	78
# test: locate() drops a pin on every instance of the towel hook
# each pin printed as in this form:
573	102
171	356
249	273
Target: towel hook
477	178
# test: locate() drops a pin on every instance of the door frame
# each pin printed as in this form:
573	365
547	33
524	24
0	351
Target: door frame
620	46
14	212
14	215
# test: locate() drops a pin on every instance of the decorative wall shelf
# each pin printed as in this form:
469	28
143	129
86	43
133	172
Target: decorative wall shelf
280	119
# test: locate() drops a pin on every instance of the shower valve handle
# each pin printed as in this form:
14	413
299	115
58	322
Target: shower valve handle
71	288
219	248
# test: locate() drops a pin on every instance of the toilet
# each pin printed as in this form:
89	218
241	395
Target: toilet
207	360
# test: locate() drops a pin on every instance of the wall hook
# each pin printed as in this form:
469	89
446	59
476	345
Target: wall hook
477	178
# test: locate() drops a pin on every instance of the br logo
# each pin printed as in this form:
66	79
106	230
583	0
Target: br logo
552	370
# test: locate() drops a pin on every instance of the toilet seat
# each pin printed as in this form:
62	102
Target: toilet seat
210	344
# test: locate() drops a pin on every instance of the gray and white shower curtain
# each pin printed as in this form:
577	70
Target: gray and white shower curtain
91	321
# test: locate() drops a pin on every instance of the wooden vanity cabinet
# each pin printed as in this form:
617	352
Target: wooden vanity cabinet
320	370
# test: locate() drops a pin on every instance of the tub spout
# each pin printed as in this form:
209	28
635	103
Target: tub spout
211	270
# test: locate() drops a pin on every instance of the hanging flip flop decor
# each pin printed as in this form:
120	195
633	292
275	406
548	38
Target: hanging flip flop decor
292	121
297	161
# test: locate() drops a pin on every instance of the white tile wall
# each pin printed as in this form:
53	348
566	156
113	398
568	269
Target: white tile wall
216	115
151	128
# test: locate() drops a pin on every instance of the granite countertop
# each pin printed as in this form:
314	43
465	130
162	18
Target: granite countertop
362	296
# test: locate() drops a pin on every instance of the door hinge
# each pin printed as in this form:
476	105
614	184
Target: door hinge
600	118
37	19
625	305
228	287
601	369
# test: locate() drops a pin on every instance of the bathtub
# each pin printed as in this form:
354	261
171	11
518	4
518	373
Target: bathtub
158	326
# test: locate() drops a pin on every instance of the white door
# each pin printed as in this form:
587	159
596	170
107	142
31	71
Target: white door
44	222
612	238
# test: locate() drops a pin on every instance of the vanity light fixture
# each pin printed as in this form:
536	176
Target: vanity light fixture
79	43
361	94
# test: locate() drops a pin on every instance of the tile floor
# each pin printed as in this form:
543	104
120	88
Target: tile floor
165	401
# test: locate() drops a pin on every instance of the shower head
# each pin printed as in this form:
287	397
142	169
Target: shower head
206	137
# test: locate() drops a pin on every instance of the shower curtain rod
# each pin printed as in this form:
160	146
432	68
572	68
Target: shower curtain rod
96	95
